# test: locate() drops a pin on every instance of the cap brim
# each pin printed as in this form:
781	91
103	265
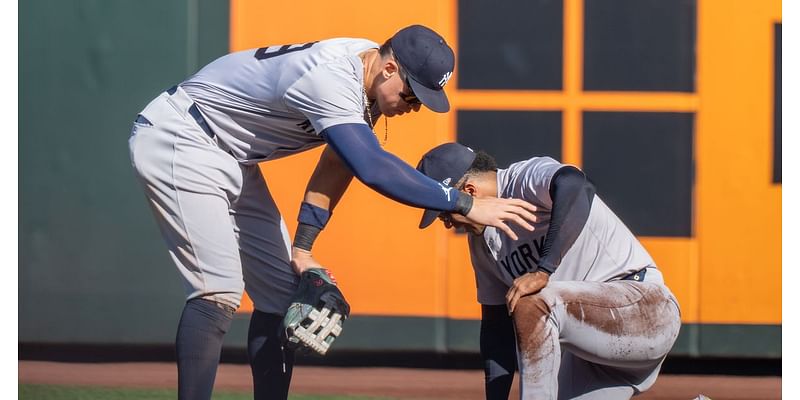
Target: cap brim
428	216
436	100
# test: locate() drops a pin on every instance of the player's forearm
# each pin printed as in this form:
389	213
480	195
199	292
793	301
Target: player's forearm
572	196
329	181
325	188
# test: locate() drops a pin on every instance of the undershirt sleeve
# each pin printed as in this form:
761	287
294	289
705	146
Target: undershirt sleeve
572	195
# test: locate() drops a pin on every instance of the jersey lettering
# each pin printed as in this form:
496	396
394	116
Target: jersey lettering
262	54
522	260
507	267
518	267
527	255
539	245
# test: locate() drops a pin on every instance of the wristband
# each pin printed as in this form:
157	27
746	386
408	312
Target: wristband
313	215
463	203
305	236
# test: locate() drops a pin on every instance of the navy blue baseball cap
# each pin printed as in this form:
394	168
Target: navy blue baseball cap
446	163
428	61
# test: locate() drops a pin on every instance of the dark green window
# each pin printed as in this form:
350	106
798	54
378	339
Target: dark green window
639	45
642	166
510	44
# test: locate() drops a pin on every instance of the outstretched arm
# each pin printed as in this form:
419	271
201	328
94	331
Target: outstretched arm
354	151
387	174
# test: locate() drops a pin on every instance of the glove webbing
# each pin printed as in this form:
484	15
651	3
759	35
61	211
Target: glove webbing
329	327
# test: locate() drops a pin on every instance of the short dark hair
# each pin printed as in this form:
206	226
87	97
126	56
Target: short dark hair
386	49
483	163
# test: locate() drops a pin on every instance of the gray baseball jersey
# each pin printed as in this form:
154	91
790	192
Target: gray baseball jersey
273	102
200	176
588	334
605	250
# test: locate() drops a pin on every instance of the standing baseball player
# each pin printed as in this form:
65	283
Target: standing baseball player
578	304
196	148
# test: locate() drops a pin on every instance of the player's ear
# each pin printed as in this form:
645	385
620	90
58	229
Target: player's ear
470	188
389	68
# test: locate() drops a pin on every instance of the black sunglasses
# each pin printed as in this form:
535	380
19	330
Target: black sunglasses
410	98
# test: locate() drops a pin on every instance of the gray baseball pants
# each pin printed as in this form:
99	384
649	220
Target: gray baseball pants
594	340
217	217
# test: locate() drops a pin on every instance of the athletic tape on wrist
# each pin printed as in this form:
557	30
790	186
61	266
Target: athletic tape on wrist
463	203
305	236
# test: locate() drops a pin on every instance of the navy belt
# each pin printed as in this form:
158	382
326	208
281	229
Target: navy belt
195	113
636	276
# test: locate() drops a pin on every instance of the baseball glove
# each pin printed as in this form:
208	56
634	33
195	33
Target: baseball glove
315	316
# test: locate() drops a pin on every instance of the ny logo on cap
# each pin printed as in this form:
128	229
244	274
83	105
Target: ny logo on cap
445	78
447	181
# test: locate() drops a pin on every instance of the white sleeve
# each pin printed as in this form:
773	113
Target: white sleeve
330	94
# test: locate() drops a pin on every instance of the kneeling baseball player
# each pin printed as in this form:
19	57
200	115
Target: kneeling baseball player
577	304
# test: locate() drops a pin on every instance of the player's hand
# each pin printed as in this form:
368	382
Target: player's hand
529	283
496	212
303	260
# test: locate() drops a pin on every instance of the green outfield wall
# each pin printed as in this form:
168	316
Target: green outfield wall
92	266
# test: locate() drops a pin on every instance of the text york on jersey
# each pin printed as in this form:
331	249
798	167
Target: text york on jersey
523	260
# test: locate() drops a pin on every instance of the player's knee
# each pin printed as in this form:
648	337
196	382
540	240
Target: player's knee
535	305
530	313
531	323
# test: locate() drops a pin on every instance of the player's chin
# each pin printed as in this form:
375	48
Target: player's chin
395	112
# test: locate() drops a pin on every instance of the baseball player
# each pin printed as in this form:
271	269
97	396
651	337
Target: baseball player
577	304
196	147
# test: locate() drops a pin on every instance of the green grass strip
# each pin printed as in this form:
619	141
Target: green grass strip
58	392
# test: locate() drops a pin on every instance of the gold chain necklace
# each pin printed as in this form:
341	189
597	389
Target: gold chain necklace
367	108
368	111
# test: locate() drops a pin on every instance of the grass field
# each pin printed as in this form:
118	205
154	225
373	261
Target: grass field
58	392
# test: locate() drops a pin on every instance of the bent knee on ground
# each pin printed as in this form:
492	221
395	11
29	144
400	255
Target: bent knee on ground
530	314
536	336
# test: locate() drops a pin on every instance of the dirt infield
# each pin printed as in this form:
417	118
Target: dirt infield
402	383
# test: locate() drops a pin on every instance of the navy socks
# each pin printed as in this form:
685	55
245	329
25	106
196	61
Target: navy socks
198	344
498	351
270	363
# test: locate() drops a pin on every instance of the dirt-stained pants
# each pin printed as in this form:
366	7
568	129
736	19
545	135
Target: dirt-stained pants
594	340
